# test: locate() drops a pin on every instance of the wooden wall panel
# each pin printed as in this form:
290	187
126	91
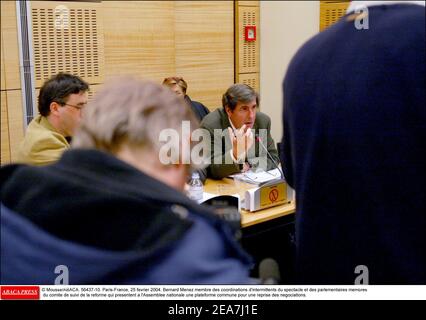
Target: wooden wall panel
204	48
11	101
2	67
9	34
149	39
5	147
15	118
248	54
249	3
139	38
67	37
251	79
331	12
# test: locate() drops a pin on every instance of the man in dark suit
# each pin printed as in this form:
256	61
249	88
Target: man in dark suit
239	134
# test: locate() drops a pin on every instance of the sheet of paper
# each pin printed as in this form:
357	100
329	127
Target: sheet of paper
207	196
257	177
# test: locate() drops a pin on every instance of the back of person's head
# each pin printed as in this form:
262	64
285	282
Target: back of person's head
239	93
57	89
173	81
132	112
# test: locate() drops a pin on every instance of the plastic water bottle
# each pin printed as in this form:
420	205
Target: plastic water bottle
196	189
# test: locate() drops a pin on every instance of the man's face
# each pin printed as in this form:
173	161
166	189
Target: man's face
243	114
70	113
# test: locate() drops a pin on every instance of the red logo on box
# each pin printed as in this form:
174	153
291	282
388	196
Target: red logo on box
250	33
273	195
20	293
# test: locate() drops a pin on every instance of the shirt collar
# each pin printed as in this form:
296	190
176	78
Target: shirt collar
357	5
232	125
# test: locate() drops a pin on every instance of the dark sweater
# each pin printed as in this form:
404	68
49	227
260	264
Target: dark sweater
354	149
198	108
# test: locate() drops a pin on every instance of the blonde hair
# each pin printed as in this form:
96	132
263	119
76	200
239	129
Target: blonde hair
172	81
131	111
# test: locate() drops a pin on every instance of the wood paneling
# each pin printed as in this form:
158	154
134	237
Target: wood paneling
149	39
139	38
15	120
249	3
204	48
2	67
11	101
12	129
154	40
251	79
10	52
67	37
5	148
331	12
248	54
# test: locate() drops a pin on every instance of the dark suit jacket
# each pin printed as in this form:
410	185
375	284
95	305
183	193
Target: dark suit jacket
218	119
198	108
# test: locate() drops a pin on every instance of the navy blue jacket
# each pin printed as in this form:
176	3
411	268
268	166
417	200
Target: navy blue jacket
354	148
199	109
109	224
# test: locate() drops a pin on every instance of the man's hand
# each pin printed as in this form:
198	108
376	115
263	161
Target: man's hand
242	139
246	167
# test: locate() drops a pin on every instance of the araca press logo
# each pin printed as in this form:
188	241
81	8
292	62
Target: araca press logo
20	293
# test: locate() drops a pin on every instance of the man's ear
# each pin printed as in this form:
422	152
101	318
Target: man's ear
228	111
54	107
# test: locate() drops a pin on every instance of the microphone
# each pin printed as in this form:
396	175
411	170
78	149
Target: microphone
258	139
269	272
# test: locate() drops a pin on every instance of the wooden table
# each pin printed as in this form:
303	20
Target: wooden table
228	186
267	233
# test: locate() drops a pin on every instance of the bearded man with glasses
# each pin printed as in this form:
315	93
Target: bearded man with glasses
60	104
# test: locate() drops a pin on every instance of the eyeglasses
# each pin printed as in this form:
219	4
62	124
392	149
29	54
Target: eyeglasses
78	107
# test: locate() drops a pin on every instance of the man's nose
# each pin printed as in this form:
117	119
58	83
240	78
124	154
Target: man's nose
252	113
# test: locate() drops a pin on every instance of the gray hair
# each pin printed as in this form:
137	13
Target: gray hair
131	111
239	93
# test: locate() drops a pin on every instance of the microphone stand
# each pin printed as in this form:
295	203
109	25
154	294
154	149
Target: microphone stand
273	161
